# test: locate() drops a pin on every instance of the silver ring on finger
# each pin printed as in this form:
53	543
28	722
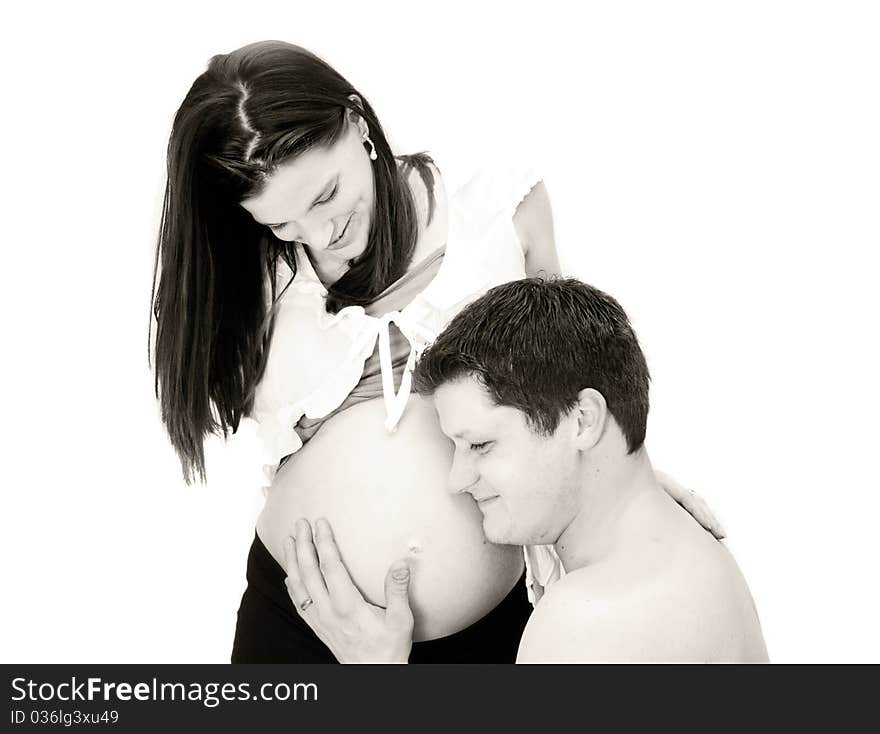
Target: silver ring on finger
306	604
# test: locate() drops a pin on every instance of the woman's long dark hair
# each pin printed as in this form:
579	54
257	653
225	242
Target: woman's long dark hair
214	277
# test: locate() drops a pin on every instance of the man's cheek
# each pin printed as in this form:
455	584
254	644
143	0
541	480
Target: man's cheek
495	473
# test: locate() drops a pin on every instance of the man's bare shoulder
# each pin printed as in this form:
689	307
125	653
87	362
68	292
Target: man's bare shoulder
582	619
675	612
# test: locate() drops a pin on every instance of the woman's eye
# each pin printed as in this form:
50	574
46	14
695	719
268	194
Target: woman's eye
329	196
480	447
278	227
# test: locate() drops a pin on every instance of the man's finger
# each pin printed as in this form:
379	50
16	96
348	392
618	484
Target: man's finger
307	563
397	609
295	587
342	590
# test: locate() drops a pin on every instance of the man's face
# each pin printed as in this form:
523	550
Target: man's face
525	484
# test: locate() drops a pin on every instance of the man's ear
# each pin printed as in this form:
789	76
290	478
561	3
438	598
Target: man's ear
592	417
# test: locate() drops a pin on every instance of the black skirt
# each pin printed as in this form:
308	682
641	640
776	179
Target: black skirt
269	630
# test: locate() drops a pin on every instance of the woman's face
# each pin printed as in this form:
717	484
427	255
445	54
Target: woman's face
322	198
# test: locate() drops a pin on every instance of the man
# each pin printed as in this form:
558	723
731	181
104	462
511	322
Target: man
543	389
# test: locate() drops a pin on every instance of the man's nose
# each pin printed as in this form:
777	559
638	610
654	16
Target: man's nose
462	475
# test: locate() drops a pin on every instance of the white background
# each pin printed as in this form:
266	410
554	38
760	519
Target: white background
716	166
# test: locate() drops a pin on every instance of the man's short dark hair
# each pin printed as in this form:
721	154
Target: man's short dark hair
535	344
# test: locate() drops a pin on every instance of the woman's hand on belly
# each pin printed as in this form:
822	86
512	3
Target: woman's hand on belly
327	600
386	497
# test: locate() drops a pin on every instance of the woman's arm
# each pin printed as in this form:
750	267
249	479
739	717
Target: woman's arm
533	221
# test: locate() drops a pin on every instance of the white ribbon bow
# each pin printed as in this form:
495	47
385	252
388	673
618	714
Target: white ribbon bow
415	334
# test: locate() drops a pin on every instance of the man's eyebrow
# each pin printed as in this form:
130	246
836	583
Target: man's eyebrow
318	197
464	433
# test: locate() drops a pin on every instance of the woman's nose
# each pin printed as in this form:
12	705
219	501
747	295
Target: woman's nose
316	235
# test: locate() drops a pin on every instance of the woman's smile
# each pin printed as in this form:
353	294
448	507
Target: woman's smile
343	240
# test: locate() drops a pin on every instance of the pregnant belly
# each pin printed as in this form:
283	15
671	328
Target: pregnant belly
385	496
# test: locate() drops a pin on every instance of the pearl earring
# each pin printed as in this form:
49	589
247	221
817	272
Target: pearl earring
366	139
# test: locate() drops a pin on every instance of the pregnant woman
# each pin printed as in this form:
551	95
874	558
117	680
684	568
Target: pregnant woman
302	268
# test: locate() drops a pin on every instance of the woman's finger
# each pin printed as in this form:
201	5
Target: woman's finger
295	587
672	488
705	515
307	563
715	525
397	609
342	590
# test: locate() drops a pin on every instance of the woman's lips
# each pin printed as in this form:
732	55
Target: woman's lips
338	242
